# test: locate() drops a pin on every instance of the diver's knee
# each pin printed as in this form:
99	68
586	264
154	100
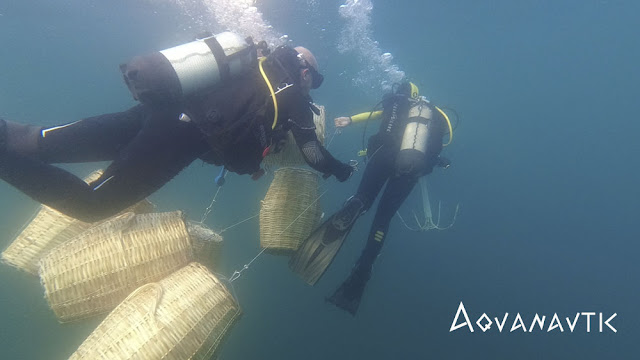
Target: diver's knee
20	138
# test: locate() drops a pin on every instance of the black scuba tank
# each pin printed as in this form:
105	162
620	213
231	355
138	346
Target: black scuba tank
172	74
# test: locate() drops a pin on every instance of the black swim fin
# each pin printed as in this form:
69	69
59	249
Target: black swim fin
349	294
317	252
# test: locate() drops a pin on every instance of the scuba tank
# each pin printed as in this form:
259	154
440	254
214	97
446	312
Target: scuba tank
172	74
412	158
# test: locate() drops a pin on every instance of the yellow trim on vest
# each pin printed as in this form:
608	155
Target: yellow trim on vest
415	92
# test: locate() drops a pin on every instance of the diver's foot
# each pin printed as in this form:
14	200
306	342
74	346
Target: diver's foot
348	295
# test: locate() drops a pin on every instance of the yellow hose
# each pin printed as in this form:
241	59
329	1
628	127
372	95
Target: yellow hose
273	94
448	123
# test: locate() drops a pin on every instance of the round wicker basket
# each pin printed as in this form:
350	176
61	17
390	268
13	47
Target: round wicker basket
184	316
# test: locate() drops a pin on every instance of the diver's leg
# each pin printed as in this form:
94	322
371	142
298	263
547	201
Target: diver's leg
348	295
376	173
396	192
162	148
18	138
97	138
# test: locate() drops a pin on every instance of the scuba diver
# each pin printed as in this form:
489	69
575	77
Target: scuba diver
211	99
406	147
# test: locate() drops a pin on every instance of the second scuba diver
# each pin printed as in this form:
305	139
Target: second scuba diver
211	99
406	147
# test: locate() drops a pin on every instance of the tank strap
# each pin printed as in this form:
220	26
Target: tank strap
221	58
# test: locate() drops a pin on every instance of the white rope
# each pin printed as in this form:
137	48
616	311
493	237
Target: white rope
236	274
338	131
238	223
209	208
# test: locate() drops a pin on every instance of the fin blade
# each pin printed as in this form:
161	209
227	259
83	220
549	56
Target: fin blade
317	252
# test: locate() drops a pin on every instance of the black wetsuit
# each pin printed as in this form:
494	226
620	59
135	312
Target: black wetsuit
383	168
149	145
383	149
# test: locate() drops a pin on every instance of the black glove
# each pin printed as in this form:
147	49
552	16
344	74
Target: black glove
343	172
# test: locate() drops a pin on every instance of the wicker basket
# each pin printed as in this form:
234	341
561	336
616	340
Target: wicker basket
290	154
290	210
95	271
48	229
184	316
207	244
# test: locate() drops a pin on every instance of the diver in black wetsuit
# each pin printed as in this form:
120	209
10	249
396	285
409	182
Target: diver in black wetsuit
406	147
235	126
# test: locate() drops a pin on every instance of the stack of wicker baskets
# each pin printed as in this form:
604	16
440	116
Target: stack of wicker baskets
166	305
48	229
184	316
95	271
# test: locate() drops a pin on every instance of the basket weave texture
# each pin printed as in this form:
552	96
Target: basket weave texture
290	210
207	244
95	271
48	229
290	154
184	316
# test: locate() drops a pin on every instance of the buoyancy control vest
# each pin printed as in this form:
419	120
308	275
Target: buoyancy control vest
171	75
412	128
237	119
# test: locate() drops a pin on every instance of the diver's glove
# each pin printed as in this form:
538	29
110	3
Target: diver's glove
443	162
343	172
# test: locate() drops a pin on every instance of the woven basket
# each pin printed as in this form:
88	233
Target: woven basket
95	271
290	210
48	229
207	244
184	316
290	154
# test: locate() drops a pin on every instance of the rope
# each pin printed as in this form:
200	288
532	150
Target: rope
237	273
238	223
207	211
333	137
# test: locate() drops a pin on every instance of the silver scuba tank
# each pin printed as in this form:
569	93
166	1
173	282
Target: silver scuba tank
413	149
172	74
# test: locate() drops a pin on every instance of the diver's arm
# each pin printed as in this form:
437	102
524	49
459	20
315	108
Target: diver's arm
303	130
348	120
369	115
317	156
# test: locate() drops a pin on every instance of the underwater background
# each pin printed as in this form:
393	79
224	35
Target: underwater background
545	169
